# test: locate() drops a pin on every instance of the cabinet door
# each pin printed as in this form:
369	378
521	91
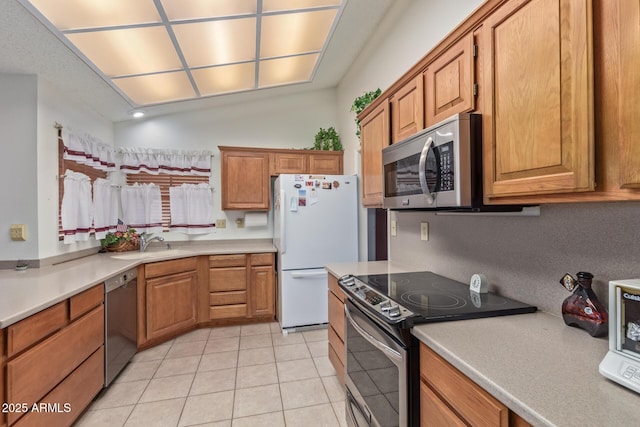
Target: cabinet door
538	120
288	163
374	137
262	291
407	110
449	82
171	304
326	163
629	84
245	180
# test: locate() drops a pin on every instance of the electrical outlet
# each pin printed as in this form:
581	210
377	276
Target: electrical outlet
18	232
221	223
240	222
424	231
394	227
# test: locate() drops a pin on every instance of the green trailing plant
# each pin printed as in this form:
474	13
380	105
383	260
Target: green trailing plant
361	102
327	139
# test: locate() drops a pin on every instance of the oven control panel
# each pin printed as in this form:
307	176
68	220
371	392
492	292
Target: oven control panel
374	300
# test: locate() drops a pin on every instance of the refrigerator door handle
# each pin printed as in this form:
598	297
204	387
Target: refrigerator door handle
283	228
309	275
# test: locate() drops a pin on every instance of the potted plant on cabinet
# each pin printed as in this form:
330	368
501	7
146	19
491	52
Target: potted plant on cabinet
327	139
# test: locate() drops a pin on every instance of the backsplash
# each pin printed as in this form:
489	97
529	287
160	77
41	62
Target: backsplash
525	257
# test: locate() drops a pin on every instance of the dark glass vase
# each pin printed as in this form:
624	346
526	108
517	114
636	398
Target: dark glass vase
583	309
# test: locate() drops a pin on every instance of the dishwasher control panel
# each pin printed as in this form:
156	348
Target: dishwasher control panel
120	280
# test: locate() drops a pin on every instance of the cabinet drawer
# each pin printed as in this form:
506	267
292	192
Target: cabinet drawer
33	374
227	311
467	399
434	412
34	328
227	298
238	260
84	302
227	279
336	315
337	363
77	390
262	259
165	268
337	344
333	287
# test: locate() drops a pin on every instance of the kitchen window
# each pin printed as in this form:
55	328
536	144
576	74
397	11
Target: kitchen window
165	181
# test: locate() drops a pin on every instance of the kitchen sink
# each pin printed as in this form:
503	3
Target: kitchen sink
163	253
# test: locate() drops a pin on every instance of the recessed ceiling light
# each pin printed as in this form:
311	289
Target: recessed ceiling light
137	114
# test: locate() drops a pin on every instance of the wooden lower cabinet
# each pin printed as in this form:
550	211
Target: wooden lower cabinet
171	304
336	330
241	287
449	398
171	289
262	291
54	370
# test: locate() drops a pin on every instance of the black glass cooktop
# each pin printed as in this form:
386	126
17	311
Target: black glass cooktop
434	298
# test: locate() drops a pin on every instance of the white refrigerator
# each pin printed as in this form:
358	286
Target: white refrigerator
315	223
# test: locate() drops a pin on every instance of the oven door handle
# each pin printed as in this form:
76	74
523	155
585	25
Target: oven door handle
421	174
374	342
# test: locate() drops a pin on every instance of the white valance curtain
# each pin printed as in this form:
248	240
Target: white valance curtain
191	209
77	209
155	161
84	148
142	207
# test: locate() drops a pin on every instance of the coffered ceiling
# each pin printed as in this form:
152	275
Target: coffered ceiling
172	55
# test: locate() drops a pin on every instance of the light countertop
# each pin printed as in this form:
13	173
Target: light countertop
540	368
27	292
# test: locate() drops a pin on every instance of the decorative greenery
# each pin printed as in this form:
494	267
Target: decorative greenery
327	140
131	235
361	102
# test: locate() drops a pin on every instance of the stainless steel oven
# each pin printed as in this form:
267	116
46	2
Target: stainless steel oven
376	371
382	375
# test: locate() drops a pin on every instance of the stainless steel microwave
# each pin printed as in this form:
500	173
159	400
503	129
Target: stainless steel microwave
437	168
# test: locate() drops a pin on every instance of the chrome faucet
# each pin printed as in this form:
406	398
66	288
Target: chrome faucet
144	242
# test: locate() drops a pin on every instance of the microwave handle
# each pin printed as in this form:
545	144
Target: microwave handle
423	177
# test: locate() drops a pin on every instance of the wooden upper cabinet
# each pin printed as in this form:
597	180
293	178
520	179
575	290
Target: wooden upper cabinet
629	125
374	137
329	163
538	116
449	82
245	179
407	110
288	163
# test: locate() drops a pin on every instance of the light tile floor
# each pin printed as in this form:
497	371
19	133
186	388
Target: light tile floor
235	376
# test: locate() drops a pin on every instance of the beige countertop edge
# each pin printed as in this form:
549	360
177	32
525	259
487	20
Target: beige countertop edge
27	292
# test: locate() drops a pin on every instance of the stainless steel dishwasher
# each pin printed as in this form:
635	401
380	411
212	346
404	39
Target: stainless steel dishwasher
120	322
